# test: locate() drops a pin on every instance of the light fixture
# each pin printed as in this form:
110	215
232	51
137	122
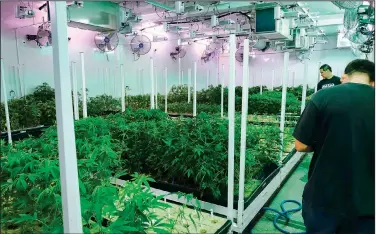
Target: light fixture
266	59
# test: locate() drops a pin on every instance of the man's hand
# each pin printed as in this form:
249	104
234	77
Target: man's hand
301	147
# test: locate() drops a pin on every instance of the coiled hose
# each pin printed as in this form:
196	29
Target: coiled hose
285	214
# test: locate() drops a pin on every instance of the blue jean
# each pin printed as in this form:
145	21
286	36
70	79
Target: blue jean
319	222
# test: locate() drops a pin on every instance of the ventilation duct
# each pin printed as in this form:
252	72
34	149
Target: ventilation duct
95	16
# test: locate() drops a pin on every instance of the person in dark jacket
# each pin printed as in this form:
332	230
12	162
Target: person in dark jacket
338	125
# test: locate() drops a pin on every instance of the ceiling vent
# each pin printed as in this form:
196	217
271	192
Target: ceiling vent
270	28
95	16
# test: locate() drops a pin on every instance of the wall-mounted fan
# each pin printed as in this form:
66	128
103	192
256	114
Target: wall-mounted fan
239	54
347	4
208	54
179	52
43	36
106	41
140	45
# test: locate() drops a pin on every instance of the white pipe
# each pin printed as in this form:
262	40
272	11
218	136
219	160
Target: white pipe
182	78
284	91
231	127
70	194
293	79
75	91
84	107
194	88
243	136
273	77
262	77
7	119
304	92
318	78
207	79
23	79
18	65
15	82
104	80
156	91
189	84
122	88
152	83
114	81
142	81
166	91
179	63
108	81
222	88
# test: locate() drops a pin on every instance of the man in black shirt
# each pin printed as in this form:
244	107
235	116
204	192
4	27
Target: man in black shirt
329	80
338	125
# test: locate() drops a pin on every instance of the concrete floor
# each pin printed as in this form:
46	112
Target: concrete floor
292	190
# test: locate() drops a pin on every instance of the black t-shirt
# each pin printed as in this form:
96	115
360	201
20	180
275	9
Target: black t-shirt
327	83
339	123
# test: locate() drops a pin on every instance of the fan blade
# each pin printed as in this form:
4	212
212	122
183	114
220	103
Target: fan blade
109	47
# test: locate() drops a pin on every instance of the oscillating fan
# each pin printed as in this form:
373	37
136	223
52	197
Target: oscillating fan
43	36
239	55
208	54
140	45
347	4
106	41
178	53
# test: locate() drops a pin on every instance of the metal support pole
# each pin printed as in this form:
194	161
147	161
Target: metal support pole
166	90
207	78
104	80
84	107
156	91
293	79
179	63
65	127
262	78
142	81
243	136
304	92
273	77
189	84
194	88
74	90
318	77
108	81
122	87
22	93
283	105
231	127
23	79
7	119
222	88
182	78
152	83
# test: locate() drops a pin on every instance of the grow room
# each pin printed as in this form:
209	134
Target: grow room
162	116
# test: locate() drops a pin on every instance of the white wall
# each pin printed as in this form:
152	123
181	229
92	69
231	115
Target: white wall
38	63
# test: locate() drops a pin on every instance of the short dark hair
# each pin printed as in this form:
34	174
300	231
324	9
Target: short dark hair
361	66
326	67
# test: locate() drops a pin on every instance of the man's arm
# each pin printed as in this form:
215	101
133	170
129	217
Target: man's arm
305	130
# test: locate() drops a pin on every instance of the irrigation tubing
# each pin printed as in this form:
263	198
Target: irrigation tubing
285	214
